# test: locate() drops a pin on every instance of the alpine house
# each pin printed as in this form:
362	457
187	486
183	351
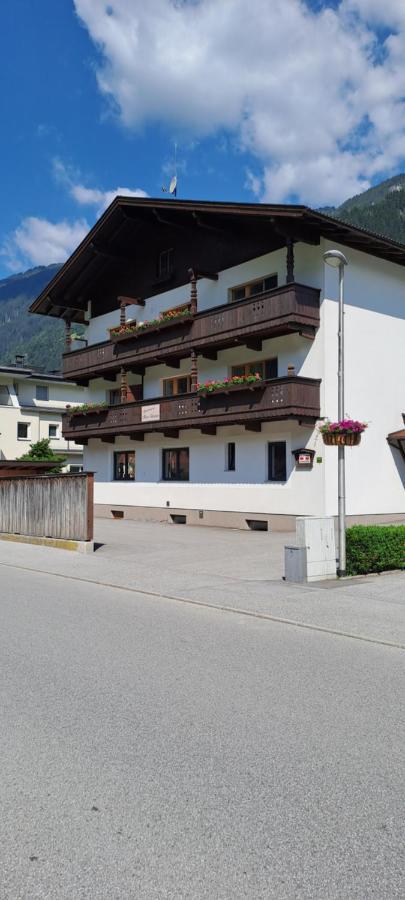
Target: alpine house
211	360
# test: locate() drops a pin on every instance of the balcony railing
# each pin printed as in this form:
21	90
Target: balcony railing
281	398
286	309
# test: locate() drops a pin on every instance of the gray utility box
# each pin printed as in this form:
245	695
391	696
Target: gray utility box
295	564
314	557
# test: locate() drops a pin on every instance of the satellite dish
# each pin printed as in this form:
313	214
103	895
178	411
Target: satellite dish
173	185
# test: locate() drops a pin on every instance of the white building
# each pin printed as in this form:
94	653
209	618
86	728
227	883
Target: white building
266	303
31	408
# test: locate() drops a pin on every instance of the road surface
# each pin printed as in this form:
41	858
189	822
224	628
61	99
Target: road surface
154	749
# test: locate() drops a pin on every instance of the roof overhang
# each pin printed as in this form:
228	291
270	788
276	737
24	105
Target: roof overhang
397	439
258	223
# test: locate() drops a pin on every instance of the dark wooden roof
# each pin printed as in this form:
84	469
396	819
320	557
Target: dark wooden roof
10	467
397	435
119	254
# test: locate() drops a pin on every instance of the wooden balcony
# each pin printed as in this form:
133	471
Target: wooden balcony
283	310
281	398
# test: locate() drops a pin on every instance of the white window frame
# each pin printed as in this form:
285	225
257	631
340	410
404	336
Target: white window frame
43	387
28	438
247	285
4	388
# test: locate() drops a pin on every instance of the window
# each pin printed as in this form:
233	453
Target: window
41	392
252	288
175	464
52	431
230	456
114	397
165	266
4	395
23	431
181	384
75	470
277	461
124	465
266	368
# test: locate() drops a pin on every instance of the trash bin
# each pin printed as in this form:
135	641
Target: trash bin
295	564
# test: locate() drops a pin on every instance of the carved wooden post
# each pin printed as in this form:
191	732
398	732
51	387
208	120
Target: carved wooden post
68	336
290	260
193	292
124	386
123	311
194	371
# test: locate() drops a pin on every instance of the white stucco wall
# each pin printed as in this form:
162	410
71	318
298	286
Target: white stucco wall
214	293
374	380
294	350
38	414
211	487
375	392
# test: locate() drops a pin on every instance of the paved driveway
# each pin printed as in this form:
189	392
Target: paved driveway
155	749
241	570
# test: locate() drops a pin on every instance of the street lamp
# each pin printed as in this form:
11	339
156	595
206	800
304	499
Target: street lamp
338	260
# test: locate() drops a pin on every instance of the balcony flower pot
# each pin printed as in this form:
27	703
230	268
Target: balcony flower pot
345	433
86	409
124	332
229	385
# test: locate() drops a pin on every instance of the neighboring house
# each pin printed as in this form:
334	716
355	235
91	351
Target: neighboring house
31	407
246	291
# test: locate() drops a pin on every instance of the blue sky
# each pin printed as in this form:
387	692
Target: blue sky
309	107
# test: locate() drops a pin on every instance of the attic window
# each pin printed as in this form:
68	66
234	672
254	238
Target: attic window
165	266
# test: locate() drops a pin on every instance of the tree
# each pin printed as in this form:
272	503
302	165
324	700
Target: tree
43	451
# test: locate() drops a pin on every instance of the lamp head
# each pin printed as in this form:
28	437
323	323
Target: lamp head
335	258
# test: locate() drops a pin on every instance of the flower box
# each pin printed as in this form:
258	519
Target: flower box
86	409
227	387
126	332
348	439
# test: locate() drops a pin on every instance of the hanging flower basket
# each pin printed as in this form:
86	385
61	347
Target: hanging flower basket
348	432
349	440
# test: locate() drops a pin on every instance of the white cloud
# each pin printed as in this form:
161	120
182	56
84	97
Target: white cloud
390	13
313	96
85	196
102	199
38	242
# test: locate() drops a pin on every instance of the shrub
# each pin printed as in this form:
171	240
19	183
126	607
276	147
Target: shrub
374	548
43	451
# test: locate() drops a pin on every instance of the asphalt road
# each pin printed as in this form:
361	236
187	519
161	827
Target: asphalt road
152	749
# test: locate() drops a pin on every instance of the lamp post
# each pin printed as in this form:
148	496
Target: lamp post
338	260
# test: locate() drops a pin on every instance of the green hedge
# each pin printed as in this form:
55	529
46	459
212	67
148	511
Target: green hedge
374	548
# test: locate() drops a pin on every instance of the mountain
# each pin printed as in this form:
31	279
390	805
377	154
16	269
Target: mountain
38	338
380	209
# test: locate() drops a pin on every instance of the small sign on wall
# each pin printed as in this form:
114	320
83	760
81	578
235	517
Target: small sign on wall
303	457
150	413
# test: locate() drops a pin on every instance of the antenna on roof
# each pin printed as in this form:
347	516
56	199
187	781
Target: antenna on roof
172	189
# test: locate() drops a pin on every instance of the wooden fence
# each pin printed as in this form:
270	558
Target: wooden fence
53	506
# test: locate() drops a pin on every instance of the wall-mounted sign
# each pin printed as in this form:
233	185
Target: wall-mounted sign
303	456
150	413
